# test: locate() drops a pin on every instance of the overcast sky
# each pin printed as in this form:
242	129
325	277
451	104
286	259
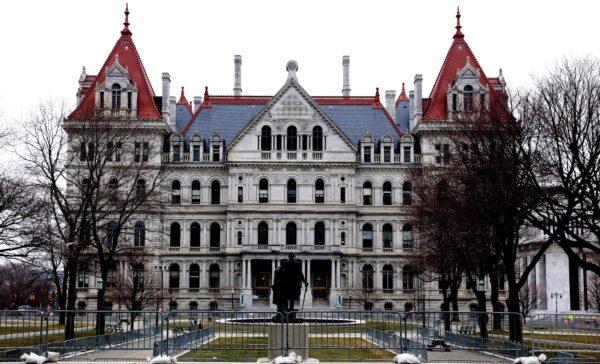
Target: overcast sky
44	44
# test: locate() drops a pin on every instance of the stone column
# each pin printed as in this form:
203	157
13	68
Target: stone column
204	234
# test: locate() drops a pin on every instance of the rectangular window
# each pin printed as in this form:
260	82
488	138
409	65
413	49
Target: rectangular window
305	142
387	154
454	102
145	151
240	194
367	155
319	196
137	151
91	151
438	154
84	280
129	100
82	152
176	152
196	195
446	153
342	194
278	140
102	99
406	154
118	152
482	101
216	155
109	151
196	153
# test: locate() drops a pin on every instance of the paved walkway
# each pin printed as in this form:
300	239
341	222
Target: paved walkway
463	355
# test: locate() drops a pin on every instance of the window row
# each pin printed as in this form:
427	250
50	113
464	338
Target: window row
291	141
292	192
113	151
214	276
214	235
387	277
387	236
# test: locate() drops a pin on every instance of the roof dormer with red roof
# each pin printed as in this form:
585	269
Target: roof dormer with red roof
122	88
461	84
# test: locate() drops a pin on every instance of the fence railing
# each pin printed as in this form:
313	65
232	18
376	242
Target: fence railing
325	335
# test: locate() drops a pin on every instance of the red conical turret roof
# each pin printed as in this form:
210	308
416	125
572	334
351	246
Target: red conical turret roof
128	57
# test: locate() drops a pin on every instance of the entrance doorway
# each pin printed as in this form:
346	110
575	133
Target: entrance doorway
261	279
320	279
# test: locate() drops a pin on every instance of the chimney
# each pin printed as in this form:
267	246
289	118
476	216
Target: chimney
390	103
411	102
166	88
237	75
82	77
197	103
173	109
418	101
346	67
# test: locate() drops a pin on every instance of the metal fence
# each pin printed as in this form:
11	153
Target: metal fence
325	335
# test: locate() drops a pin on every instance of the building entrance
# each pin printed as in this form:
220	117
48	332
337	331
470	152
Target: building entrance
320	279
261	279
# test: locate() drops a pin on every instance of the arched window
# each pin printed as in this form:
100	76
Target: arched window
140	190
175	238
174	276
388	278
195	235
196	192
263	191
194	276
388	306
317	138
387	193
367	236
367	193
319	191
291	191
116	96
215	235
172	305
468	98
290	233
407	193
263	233
176	193
320	233
408	306
265	138
292	138
387	236
214	274
111	233
113	190
215	193
139	234
408	278
367	277
343	238
193	305
407	236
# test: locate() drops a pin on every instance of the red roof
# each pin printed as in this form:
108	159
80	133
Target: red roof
183	101
128	58
402	96
456	59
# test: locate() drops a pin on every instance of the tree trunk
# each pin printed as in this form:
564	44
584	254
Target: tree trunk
446	309
496	307
71	268
454	300
101	316
481	315
515	326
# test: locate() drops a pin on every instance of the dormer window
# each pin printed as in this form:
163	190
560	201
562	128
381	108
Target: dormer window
116	96
387	154
102	99
468	98
216	154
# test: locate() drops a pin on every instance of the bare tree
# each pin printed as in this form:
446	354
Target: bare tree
137	287
531	298
21	283
563	114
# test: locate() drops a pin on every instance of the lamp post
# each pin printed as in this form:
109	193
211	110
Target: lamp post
232	293
556	296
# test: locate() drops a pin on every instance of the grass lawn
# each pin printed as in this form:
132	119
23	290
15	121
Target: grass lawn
35	340
252	348
7	330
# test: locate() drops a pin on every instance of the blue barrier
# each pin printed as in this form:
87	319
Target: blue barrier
396	343
181	342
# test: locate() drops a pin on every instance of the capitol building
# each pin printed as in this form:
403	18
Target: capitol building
253	178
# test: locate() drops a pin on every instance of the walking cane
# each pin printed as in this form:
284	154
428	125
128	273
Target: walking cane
304	297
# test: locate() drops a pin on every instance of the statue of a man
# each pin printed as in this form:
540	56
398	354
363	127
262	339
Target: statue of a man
287	284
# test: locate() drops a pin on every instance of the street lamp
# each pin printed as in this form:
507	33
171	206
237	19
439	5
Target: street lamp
556	296
99	283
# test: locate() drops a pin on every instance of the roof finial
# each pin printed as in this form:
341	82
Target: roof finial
458	33
206	95
126	30
182	95
376	93
403	94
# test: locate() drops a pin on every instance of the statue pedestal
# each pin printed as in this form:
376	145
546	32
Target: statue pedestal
293	335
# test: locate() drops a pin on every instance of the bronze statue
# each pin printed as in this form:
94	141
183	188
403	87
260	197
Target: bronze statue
287	285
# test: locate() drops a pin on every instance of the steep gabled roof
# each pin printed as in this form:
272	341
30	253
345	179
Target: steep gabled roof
129	58
456	59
